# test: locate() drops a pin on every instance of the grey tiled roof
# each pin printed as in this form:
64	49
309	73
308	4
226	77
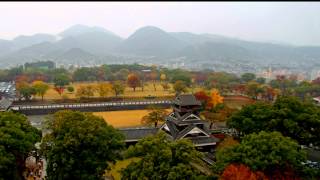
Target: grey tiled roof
187	99
204	140
134	134
5	103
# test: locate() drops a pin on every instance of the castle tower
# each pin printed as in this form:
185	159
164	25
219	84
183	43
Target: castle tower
184	122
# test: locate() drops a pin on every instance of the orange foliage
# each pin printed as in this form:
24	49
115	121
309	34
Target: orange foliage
241	172
133	81
215	99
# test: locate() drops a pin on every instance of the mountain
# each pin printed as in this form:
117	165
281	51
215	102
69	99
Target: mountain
80	29
5	47
98	42
25	41
151	41
152	44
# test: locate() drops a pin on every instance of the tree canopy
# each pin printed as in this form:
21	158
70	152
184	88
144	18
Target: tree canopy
80	146
155	116
162	159
17	139
288	115
266	152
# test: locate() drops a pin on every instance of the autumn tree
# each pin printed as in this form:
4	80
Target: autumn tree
85	91
241	172
180	87
80	146
153	77
165	86
215	99
104	89
118	88
202	97
154	116
40	88
163	77
133	81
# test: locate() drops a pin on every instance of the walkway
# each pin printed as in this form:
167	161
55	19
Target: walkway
89	107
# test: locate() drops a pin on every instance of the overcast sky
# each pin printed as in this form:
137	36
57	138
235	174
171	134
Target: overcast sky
290	22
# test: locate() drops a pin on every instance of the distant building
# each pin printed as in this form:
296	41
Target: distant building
40	65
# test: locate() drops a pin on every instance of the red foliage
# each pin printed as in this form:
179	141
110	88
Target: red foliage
201	96
219	136
241	172
286	174
59	90
22	78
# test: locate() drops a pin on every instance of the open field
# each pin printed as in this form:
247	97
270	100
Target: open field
120	165
237	102
148	90
121	119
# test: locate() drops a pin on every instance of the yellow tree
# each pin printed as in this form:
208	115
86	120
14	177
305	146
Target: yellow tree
40	88
85	91
215	99
104	89
163	77
155	116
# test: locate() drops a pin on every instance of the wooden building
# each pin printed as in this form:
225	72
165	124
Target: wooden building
183	122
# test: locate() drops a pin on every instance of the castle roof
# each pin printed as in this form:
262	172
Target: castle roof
186	100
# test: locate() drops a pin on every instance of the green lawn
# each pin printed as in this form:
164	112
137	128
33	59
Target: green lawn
114	172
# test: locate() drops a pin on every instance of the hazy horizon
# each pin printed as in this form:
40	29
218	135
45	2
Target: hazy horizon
296	23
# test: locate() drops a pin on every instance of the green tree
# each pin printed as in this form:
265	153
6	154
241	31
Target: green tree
26	91
70	89
221	81
118	88
80	146
61	80
17	139
246	77
179	87
181	76
40	88
155	116
288	115
253	89
162	159
265	151
261	80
